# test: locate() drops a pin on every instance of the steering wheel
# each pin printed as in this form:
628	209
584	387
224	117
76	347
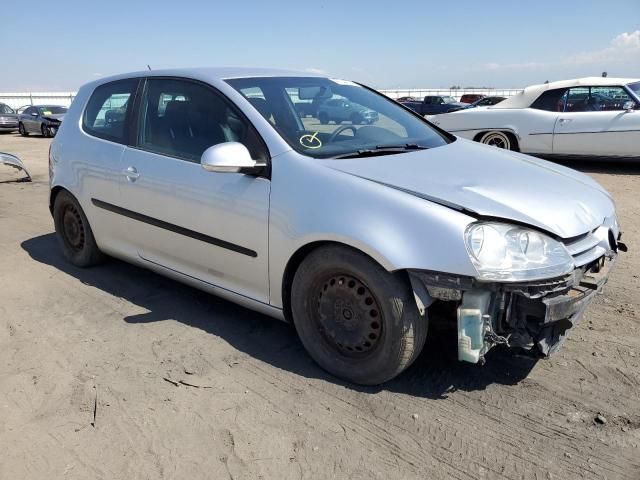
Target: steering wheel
339	130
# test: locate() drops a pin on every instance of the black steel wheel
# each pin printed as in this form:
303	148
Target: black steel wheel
356	320
74	232
347	315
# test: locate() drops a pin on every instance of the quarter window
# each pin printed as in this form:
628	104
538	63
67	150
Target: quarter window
108	111
551	100
181	118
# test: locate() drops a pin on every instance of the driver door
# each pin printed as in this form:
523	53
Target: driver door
29	119
594	123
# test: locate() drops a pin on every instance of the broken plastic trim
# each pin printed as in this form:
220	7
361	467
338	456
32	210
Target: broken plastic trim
15	162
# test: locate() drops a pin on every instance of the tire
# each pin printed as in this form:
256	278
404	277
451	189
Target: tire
45	131
323	117
74	232
356	320
498	139
22	130
356	119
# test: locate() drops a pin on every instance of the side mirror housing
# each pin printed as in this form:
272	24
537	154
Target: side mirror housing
34	114
629	106
230	157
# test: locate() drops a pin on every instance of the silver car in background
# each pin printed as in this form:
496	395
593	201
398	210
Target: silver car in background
355	233
44	120
8	118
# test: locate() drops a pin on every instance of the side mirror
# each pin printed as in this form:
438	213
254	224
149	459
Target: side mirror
230	157
34	114
629	106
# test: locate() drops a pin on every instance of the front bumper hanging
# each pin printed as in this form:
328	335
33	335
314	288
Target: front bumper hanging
533	316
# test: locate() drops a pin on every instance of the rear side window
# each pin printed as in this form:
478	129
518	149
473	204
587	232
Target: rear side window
109	109
551	100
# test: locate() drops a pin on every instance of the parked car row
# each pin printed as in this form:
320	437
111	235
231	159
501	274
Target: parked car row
44	120
594	117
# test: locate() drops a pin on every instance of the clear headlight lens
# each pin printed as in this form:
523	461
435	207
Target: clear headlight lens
509	253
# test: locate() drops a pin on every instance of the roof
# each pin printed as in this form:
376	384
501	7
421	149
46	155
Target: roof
214	73
529	94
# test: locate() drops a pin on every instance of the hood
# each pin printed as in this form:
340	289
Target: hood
488	182
57	116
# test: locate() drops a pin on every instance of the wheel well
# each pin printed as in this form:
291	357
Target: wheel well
52	197
511	135
292	266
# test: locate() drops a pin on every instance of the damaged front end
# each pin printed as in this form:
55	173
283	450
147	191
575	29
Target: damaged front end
534	316
14	162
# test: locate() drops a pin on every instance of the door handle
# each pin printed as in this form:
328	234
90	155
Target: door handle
564	120
131	173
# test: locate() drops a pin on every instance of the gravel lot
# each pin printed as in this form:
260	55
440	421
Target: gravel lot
117	373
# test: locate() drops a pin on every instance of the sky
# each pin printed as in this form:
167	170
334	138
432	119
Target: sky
403	44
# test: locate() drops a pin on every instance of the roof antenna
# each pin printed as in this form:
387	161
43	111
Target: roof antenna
148	67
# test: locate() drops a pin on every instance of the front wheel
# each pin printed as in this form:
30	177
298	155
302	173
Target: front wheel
499	139
22	130
323	117
74	232
356	320
45	131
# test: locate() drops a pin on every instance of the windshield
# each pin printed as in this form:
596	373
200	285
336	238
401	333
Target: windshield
635	88
323	118
4	108
448	100
52	110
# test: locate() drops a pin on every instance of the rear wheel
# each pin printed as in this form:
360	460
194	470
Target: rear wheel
356	320
22	130
499	139
74	232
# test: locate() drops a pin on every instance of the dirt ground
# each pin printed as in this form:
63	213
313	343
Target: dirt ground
117	373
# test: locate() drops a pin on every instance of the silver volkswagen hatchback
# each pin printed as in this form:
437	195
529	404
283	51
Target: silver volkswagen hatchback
353	232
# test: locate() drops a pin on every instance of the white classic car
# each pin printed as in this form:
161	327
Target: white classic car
595	117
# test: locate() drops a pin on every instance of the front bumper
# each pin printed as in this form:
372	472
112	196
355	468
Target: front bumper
534	316
542	323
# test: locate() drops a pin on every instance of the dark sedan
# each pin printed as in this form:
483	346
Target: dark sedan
8	118
435	104
42	119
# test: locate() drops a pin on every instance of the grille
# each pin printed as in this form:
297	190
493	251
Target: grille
589	247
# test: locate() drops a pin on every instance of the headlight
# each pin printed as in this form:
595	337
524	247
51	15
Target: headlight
509	253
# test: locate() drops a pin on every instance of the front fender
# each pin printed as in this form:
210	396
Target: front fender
313	203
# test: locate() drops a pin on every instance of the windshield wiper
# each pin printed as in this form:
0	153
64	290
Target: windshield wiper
382	150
